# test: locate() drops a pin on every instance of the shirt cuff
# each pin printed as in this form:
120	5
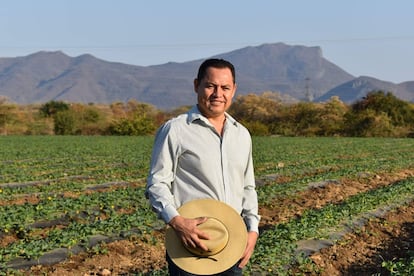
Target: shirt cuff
168	213
252	224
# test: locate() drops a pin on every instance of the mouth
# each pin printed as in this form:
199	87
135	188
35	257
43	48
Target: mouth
216	101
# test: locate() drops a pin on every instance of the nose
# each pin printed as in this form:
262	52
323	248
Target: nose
218	91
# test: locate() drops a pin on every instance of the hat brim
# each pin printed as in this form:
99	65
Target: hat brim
221	261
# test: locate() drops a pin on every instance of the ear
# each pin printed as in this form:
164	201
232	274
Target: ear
234	91
195	85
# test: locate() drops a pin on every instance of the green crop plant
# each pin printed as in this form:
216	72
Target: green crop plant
58	191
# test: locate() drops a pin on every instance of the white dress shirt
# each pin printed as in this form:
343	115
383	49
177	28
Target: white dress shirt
190	160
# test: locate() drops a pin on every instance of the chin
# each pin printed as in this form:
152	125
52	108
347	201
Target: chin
216	109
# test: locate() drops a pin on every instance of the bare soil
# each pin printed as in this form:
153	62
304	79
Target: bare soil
358	253
381	239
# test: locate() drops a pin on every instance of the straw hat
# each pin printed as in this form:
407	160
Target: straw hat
228	238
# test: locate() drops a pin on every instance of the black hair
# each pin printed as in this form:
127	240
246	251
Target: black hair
216	63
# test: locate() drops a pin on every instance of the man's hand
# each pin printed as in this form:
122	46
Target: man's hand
188	232
251	243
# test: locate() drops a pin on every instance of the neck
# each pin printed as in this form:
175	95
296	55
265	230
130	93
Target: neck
218	123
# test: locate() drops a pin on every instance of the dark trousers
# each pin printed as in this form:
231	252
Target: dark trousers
176	271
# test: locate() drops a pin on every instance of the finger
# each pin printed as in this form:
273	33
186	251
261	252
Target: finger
203	235
243	263
244	260
197	240
201	220
188	242
191	243
201	245
245	257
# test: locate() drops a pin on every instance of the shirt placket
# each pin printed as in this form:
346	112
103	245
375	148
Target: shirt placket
225	172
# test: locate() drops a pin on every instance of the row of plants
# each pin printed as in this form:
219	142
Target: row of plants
52	207
276	249
45	158
59	170
127	158
105	213
400	266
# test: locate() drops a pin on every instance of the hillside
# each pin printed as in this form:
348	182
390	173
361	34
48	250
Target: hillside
298	71
359	87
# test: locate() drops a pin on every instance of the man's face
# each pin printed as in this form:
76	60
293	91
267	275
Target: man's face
215	91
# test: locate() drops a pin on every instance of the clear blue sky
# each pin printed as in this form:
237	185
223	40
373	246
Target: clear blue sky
364	37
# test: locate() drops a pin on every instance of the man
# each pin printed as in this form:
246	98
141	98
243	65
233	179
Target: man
205	153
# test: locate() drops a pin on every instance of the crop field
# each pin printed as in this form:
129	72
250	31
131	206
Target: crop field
329	206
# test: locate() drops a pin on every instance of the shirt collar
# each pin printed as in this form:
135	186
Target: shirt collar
195	114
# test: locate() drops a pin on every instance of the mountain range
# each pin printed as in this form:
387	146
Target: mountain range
299	72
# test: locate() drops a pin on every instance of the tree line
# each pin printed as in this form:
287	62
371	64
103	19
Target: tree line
378	114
